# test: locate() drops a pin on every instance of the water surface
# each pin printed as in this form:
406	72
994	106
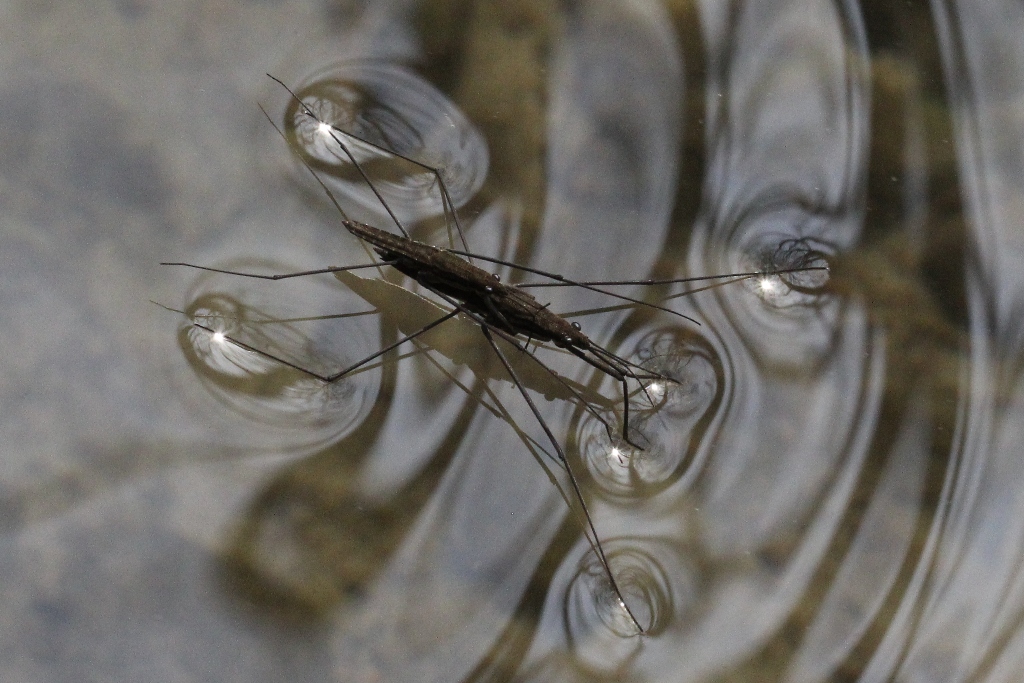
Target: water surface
830	493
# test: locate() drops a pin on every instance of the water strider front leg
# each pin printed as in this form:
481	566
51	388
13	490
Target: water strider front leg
610	357
616	374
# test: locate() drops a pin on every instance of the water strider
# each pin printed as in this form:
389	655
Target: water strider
506	311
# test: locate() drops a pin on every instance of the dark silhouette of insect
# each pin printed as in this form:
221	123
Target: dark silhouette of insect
500	310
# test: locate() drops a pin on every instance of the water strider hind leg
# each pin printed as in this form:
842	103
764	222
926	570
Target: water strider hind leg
598	548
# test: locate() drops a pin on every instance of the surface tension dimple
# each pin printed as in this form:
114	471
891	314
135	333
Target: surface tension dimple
383	105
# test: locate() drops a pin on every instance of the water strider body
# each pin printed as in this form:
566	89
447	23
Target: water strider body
507	308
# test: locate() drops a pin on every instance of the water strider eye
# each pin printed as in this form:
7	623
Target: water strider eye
576	326
497	278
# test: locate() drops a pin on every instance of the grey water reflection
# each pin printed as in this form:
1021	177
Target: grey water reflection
798	512
831	491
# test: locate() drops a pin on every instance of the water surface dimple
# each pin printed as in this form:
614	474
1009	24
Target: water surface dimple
250	357
398	128
668	421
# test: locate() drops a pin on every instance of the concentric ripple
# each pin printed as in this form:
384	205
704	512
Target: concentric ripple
656	580
666	423
248	355
389	113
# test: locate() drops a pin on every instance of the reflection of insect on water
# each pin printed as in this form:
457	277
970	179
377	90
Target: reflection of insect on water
505	312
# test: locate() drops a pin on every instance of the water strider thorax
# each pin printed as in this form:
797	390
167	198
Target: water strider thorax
504	306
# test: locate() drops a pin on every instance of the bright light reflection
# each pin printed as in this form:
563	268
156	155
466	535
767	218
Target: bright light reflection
219	338
767	285
655	391
616	453
324	129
